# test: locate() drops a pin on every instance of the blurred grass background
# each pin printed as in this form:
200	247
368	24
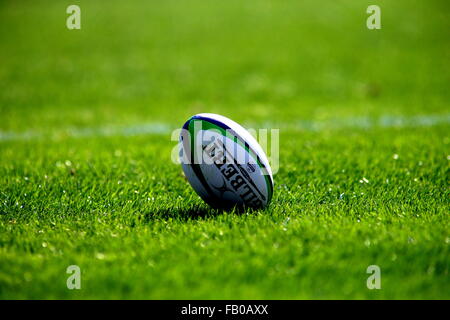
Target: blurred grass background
149	60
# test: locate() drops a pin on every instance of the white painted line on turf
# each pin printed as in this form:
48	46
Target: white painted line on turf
161	128
386	121
156	128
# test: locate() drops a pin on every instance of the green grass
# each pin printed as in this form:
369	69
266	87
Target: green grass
115	205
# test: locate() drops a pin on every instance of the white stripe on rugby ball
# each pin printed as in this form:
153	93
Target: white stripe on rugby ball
243	179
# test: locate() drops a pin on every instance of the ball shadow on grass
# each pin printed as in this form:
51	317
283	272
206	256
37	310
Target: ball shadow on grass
192	212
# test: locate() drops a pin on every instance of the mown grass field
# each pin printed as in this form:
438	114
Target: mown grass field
85	145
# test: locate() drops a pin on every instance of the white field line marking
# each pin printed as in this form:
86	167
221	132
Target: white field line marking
160	128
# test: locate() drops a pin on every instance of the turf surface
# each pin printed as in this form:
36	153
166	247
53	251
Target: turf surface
364	157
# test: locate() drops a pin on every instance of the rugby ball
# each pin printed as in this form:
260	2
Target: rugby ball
224	163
